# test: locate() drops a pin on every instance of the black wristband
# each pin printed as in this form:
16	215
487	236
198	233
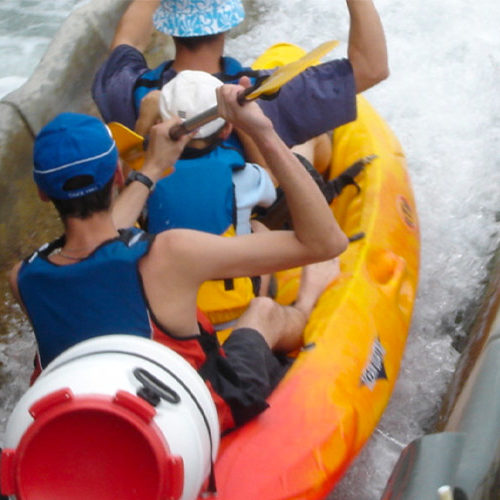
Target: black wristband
143	179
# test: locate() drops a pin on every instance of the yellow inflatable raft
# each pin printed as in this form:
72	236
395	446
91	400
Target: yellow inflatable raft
330	401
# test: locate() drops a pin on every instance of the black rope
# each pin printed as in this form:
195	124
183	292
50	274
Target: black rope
277	215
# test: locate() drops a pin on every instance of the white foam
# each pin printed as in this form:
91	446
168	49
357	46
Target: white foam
26	29
10	83
443	103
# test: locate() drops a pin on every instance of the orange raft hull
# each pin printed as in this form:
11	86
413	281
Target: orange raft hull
332	398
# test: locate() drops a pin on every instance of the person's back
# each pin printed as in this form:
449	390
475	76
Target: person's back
101	279
212	188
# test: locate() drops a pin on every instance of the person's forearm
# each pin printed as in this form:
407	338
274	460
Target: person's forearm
367	50
313	222
160	158
128	206
136	25
315	227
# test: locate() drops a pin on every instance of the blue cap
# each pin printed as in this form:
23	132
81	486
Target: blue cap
185	18
72	145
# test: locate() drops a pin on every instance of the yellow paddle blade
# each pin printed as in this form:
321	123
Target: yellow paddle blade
129	144
285	73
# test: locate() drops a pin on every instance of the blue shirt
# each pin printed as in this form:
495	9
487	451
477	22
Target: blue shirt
318	100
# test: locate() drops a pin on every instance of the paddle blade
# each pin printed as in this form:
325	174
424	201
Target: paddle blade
285	73
130	144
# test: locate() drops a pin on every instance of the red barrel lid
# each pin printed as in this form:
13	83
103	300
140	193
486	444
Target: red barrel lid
92	446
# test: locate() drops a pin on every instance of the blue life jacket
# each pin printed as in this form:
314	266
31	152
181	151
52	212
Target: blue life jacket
199	194
63	314
154	79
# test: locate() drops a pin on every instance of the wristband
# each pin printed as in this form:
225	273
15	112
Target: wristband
143	179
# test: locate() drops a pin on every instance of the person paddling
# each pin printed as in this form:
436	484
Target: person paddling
212	188
98	279
313	103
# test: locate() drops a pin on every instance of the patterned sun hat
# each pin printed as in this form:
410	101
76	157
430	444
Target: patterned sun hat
185	18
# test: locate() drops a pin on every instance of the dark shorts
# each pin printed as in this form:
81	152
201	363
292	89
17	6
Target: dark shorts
247	374
251	358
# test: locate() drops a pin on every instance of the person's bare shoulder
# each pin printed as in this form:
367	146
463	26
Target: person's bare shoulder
179	246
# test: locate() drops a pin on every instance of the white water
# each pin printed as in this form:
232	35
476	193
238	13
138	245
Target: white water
26	28
442	101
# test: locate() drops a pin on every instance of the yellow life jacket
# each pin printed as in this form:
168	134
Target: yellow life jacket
225	300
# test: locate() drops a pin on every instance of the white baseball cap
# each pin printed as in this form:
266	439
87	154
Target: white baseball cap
188	94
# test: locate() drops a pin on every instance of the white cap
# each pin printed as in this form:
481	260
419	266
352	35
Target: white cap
188	94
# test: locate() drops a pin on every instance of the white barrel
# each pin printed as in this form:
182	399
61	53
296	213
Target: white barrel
117	416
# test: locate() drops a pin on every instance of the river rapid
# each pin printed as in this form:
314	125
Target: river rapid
442	102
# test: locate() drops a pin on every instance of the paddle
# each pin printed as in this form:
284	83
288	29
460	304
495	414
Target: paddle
130	144
266	87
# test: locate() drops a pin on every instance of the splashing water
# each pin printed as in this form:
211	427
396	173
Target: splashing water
442	102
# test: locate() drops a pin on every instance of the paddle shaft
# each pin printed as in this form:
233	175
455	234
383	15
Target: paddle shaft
177	131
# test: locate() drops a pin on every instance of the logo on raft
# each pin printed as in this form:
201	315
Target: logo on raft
375	369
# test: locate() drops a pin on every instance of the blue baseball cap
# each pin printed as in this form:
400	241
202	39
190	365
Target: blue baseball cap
72	145
184	18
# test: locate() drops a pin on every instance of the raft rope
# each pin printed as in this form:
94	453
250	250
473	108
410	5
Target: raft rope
211	487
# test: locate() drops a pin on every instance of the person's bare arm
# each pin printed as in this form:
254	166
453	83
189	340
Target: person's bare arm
180	260
161	155
253	154
367	50
315	228
136	25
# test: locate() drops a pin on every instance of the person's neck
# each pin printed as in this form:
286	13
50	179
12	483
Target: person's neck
83	236
206	57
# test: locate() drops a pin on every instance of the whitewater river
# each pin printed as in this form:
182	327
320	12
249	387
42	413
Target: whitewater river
442	101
